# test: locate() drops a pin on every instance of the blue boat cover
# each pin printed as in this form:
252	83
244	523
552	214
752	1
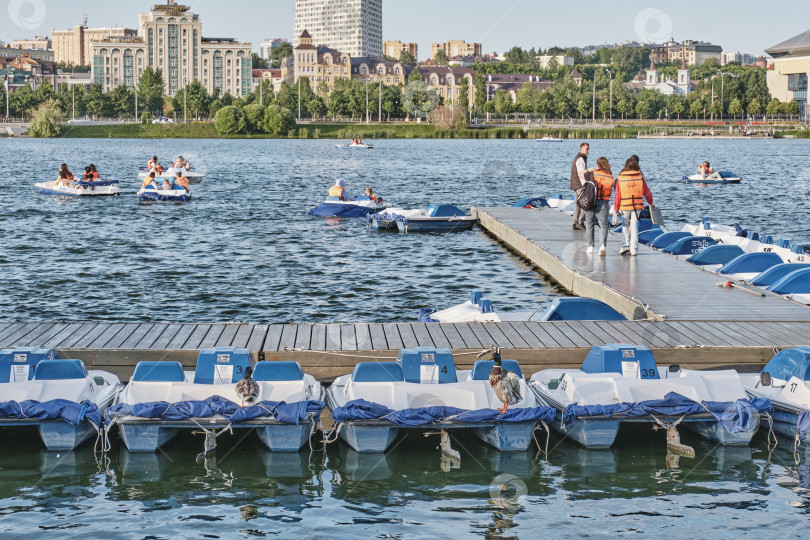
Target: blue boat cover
751	262
326	209
155	196
536	202
689	245
425	315
665	239
803	422
796	282
789	363
57	409
716	254
286	413
360	409
775	273
385	215
97	183
575	308
735	416
444	210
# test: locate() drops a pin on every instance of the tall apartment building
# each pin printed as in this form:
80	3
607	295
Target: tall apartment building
170	39
395	48
351	26
73	46
456	48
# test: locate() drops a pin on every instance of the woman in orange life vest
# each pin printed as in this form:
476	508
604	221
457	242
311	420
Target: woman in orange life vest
372	196
631	190
603	178
94	171
64	175
707	172
338	189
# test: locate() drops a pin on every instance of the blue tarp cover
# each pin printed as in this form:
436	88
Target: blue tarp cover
286	413
327	209
155	196
57	409
361	409
735	416
425	315
803	422
97	182
385	216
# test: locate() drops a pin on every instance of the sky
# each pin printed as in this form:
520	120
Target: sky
745	25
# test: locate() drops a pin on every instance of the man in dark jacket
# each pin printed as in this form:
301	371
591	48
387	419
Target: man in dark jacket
578	170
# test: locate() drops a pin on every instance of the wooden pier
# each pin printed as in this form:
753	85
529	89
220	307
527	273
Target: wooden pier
675	308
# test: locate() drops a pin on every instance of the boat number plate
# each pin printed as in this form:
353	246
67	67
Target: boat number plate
223	358
428	358
20	357
628	353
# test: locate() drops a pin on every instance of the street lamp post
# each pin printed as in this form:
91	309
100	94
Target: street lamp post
299	99
593	105
366	100
185	100
73	91
611	95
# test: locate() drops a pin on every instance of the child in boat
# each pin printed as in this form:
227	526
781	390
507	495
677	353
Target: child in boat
64	175
182	181
372	196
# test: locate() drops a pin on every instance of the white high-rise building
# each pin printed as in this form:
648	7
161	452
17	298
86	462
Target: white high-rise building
349	26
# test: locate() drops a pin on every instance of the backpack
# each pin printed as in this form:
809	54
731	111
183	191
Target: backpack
587	195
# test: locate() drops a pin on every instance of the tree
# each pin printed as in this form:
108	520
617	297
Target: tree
711	63
197	100
480	92
339	98
604	108
280	53
624	106
405	57
121	102
229	120
791	107
278	120
696	108
503	103
258	61
584	108
47	118
754	107
735	108
150	91
644	109
287	97
316	106
525	99
464	93
254	117
440	57
774	107
676	104
22	101
97	102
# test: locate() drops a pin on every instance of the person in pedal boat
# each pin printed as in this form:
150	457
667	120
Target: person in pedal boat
372	196
64	175
94	171
338	190
154	166
182	181
707	172
182	164
149	180
167	186
88	174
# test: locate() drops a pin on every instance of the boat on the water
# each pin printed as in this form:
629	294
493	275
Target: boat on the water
548	138
356	207
59	396
161	400
355	145
785	382
726	177
79	188
194	177
151	193
437	218
620	383
424	391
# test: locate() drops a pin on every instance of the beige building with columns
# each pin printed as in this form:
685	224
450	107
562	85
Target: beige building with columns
73	46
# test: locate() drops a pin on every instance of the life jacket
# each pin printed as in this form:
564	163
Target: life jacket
336	191
146	181
182	182
95	174
631	185
704	170
604	184
375	199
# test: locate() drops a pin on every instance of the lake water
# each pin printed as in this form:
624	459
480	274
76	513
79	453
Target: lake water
244	249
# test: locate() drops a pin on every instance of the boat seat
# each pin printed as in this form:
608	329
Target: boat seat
751	263
689	245
575	308
796	282
616	358
220	364
481	368
414	360
717	254
149	371
444	210
789	363
15	359
775	273
60	369
278	371
666	239
377	372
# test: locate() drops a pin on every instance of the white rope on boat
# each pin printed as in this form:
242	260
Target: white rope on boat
548	437
335	431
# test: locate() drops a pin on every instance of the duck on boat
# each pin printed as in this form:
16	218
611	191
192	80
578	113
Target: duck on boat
59	396
785	382
621	383
423	390
227	390
339	204
479	309
437	218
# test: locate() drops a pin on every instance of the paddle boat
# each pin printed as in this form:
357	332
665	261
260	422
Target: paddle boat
59	396
360	206
355	144
548	138
422	391
151	193
784	381
194	177
726	177
621	383
751	242
437	218
161	400
79	188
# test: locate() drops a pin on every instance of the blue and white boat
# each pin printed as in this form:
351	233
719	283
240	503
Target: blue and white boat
151	193
785	382
161	400
622	383
726	177
437	218
194	177
422	390
59	396
362	146
350	208
80	188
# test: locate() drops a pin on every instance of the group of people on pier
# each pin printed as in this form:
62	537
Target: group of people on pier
629	189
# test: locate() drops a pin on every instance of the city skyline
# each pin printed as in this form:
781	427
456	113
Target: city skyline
525	23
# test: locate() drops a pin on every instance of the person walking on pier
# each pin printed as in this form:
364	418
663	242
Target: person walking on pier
578	170
603	178
631	190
